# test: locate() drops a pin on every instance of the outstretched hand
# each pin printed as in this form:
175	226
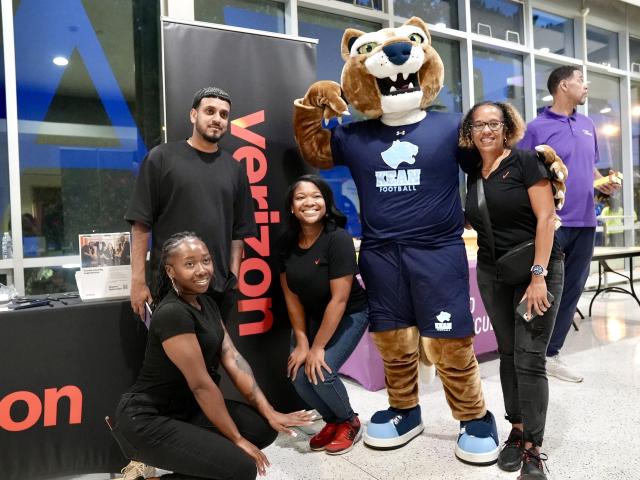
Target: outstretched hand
281	421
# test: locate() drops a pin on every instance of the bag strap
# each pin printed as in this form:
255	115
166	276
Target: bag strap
484	212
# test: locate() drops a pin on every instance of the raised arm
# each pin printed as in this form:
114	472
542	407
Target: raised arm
322	100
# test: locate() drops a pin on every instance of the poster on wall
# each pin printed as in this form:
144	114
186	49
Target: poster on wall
105	265
263	74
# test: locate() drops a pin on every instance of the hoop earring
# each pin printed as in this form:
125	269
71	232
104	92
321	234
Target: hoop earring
173	284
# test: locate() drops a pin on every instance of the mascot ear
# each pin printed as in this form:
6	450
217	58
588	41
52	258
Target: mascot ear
418	22
350	36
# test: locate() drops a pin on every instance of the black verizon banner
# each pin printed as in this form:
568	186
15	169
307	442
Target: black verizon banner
263	75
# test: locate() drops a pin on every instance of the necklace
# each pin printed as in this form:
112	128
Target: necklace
495	163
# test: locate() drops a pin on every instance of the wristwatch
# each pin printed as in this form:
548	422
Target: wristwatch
539	270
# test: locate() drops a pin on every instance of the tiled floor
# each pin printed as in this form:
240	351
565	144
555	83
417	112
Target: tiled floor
591	427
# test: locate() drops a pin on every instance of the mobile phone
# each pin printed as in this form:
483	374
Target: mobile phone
522	308
147	314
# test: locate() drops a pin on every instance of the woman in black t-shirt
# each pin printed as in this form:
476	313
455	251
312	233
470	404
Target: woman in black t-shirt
327	308
519	199
175	417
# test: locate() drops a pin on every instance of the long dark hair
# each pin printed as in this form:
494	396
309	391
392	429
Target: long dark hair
163	282
333	217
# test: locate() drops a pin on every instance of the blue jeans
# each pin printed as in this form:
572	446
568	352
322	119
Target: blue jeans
522	346
577	245
330	397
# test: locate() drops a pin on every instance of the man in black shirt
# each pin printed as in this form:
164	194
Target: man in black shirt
193	185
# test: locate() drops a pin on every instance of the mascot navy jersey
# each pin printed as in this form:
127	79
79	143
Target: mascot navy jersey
407	179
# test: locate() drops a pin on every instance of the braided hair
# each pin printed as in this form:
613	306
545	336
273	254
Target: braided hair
163	283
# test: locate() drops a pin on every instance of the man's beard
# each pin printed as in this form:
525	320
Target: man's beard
209	138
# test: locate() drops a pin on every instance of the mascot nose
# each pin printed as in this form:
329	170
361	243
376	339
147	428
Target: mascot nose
398	53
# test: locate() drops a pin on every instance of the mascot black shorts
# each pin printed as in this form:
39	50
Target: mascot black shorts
417	286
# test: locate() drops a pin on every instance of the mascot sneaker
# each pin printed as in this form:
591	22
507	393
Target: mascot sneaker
478	441
393	428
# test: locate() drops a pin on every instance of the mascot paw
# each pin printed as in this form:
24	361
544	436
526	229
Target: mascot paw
558	170
327	96
393	428
478	442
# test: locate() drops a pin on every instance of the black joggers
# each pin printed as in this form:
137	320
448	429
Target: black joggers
187	444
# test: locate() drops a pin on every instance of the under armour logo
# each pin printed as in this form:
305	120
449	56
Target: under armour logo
399	132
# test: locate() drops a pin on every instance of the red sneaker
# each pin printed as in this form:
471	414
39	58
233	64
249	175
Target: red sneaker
323	437
348	434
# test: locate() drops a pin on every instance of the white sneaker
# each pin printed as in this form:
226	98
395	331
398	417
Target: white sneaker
557	368
136	470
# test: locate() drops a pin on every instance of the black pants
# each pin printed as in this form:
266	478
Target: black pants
186	443
522	346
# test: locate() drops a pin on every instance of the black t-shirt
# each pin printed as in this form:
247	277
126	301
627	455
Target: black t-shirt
180	188
159	377
505	190
310	270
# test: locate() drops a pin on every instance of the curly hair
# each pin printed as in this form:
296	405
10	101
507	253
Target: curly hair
163	282
513	125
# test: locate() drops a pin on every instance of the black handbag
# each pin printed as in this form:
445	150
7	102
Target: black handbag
514	267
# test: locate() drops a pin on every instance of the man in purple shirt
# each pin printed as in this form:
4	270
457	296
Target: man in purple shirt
573	136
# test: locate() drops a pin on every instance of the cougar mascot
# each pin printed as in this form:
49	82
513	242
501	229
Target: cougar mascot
412	259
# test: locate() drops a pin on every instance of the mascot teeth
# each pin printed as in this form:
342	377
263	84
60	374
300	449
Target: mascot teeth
396	84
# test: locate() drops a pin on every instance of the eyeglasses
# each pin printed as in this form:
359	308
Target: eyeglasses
494	126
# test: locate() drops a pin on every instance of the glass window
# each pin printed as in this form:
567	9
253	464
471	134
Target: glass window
435	11
635	148
553	33
498	19
634	54
82	130
5	210
264	15
543	70
604	110
375	4
499	77
328	29
602	46
450	97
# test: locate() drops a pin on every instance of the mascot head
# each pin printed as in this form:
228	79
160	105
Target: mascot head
391	71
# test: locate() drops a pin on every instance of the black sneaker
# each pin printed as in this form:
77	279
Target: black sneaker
533	465
510	457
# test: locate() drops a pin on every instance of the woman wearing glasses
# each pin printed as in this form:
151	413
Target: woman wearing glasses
519	199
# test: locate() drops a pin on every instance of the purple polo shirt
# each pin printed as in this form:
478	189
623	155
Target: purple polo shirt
574	140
